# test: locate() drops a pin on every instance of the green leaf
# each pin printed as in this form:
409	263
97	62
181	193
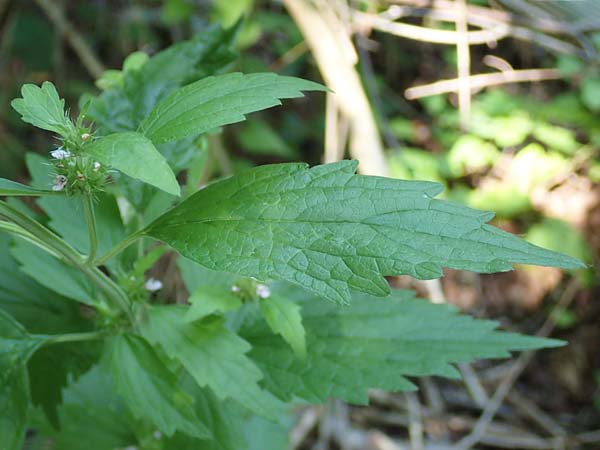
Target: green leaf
210	300
135	155
284	318
374	343
43	108
220	100
12	188
148	387
16	347
330	230
212	354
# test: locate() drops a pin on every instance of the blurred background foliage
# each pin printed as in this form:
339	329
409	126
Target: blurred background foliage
528	151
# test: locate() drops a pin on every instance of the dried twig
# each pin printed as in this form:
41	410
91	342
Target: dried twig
481	81
415	426
432	35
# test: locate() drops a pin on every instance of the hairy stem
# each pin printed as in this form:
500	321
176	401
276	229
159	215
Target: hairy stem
90	220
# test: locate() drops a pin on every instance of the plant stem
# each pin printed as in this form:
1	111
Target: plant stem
72	337
90	220
118	248
59	247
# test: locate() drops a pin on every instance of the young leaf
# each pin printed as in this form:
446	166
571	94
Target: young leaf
284	318
12	188
43	108
149	389
16	347
330	230
212	354
220	100
135	155
374	343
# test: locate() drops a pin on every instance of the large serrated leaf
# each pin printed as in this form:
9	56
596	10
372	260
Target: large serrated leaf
330	230
220	100
43	108
374	343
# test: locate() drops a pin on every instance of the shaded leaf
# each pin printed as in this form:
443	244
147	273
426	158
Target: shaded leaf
149	389
212	354
16	347
374	343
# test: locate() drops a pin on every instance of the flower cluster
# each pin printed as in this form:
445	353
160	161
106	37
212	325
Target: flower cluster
77	173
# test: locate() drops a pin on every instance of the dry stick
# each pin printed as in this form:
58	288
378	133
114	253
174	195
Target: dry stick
432	35
75	39
481	81
308	420
515	371
474	385
415	424
330	46
463	64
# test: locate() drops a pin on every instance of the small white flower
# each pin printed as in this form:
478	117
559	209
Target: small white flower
60	181
263	291
97	166
85	137
153	285
235	288
60	153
